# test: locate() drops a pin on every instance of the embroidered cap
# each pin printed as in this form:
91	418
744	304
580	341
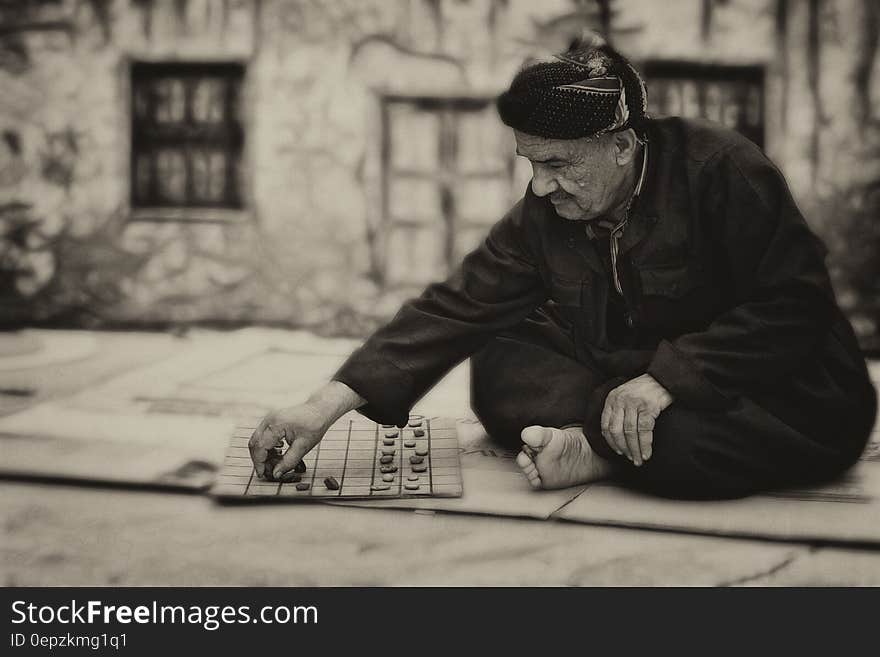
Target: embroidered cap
585	92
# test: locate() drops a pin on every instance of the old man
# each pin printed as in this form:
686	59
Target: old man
654	309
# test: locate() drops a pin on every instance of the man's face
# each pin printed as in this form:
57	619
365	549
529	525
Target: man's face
582	177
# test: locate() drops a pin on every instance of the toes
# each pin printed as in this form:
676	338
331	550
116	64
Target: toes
536	437
529	469
523	461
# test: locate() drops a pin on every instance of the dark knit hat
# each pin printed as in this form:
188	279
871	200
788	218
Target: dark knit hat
587	91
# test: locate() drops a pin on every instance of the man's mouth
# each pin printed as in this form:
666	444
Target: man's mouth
556	200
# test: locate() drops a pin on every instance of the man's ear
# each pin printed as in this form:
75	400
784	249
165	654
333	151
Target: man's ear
625	146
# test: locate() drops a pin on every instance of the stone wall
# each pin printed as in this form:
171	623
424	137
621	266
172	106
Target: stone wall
311	245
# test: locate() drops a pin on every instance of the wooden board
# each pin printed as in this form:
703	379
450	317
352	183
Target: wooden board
352	452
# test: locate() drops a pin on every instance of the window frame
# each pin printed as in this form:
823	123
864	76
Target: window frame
749	75
229	135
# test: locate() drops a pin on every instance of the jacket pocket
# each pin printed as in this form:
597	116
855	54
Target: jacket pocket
673	281
566	306
566	292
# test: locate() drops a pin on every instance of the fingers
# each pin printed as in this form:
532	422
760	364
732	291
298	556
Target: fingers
257	448
616	430
631	433
646	434
299	447
628	426
262	444
608	414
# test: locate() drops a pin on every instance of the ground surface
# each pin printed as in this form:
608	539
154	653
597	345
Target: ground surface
76	535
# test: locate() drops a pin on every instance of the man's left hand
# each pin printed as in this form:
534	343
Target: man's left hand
629	415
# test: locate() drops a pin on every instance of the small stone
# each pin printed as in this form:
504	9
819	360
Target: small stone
380	487
391	434
290	477
388	477
419	433
409	443
385	469
387	426
420	468
421	451
415	422
415	460
413	477
388	442
411	486
331	483
388	452
300	467
386	459
303	485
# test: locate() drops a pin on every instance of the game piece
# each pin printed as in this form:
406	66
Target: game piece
388	442
290	477
421	451
387	426
392	434
415	422
269	468
353	453
419	433
411	486
415	460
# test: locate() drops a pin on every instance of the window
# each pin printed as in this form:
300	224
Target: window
186	135
731	95
448	176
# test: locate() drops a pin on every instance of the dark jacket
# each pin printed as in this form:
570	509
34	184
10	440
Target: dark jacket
725	295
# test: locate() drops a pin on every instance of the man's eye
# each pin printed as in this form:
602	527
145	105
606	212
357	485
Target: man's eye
557	165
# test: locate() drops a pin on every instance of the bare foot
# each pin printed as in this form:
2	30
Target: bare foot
558	458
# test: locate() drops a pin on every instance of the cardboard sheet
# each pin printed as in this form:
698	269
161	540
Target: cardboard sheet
167	425
147	427
846	511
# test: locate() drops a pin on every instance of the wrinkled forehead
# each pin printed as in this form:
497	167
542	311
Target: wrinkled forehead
544	148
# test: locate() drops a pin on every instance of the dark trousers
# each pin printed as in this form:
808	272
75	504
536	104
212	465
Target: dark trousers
531	376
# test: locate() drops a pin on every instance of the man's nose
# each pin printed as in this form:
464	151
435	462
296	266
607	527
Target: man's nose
542	182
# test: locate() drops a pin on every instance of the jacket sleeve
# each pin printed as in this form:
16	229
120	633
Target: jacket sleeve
783	304
494	288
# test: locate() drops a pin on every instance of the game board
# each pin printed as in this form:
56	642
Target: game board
356	459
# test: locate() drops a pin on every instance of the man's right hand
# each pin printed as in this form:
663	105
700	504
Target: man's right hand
303	426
